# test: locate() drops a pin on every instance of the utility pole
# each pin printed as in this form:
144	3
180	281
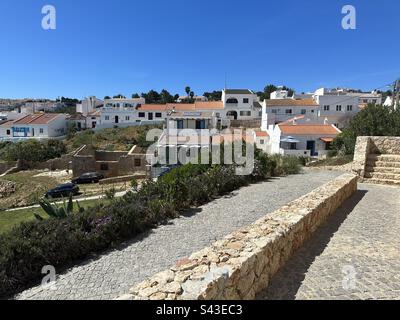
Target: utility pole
395	96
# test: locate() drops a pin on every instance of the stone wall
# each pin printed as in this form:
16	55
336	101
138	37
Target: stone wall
372	145
242	264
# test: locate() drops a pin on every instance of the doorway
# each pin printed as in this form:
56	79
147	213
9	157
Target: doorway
116	119
311	147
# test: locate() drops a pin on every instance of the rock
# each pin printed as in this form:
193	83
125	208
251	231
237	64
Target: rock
164	277
172	287
158	296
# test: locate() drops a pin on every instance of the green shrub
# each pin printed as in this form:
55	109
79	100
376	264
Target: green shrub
29	246
286	165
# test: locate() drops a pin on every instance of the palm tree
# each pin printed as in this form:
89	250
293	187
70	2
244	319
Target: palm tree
191	94
187	89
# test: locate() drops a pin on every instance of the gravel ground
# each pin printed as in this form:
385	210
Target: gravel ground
355	255
114	272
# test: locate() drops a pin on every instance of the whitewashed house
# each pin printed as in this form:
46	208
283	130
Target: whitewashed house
240	104
275	111
38	126
301	139
337	105
88	105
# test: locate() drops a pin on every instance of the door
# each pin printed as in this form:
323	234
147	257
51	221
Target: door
116	119
150	115
311	147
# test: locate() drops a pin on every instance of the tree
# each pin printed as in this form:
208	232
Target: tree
266	94
374	120
213	96
135	96
191	94
187	90
107	97
119	96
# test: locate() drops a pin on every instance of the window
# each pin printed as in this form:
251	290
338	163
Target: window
41	130
127	118
158	114
274	111
288	111
232	101
374	101
179	124
261	141
107	118
338	108
350	108
326	108
245	113
141	115
218	115
303	111
138	162
8	132
245	100
365	100
104	166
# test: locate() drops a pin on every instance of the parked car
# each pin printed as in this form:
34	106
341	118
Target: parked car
63	190
89	177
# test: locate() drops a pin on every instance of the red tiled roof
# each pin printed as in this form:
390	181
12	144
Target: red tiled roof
43	118
262	134
310	129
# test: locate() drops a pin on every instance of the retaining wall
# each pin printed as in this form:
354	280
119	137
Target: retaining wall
242	264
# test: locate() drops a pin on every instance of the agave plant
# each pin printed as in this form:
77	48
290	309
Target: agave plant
58	211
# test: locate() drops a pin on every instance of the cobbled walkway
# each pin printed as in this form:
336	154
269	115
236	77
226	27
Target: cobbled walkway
355	255
114	272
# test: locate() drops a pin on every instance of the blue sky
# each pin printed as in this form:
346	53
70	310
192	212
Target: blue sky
104	47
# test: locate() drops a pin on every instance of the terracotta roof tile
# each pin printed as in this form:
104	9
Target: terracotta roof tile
308	129
43	118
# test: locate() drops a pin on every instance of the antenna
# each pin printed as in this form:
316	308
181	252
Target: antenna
225	80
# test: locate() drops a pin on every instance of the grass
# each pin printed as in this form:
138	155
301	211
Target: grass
9	219
29	188
332	161
113	139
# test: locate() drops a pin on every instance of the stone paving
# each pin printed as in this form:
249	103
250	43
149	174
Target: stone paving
355	255
113	273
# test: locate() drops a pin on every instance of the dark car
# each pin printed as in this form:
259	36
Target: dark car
90	177
63	190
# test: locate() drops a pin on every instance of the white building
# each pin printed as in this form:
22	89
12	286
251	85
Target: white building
336	105
37	126
88	105
275	111
310	140
240	104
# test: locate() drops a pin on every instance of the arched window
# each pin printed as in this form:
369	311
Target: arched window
232	100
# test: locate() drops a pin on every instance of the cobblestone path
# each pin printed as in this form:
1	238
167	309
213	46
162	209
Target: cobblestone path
355	255
114	272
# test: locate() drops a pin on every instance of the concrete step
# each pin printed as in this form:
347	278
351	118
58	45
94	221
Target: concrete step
383	169
387	164
383	176
384	157
382	181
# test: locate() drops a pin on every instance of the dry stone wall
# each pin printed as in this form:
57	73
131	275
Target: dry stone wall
242	264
